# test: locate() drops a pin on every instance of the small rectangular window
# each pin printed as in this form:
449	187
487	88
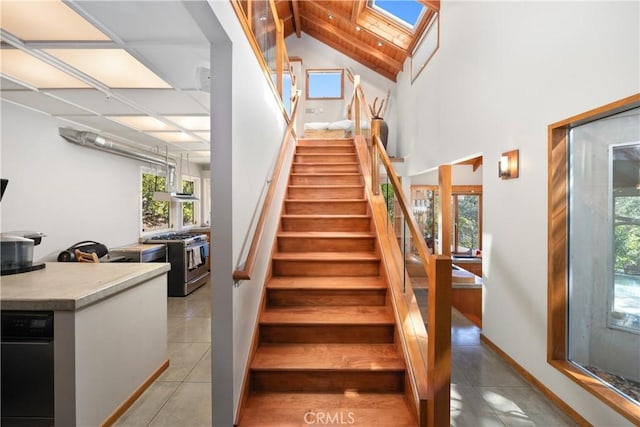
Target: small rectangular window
190	210
325	84
155	214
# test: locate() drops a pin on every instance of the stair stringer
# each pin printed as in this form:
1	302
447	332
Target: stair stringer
412	343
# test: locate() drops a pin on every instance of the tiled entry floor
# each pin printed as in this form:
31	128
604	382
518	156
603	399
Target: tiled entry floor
485	391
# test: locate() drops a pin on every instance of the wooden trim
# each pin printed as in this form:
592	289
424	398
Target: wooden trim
417	41
120	410
324	70
444	179
439	333
568	410
356	10
281	52
557	262
247	270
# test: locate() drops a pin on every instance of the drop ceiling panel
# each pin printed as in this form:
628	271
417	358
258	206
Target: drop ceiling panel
46	20
203	98
164	102
189	146
6	84
140	138
41	102
182	69
135	21
94	100
97	122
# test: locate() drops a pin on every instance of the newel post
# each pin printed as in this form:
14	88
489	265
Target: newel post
356	99
375	170
439	344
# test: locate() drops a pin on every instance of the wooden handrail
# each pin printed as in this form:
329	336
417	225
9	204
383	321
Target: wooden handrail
245	272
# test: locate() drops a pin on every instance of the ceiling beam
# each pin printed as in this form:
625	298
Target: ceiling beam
359	47
331	43
358	6
325	12
296	17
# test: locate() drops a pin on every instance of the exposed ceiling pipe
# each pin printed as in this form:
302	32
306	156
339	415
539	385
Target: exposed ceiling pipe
93	140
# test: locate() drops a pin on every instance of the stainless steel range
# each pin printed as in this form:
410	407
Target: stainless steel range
188	254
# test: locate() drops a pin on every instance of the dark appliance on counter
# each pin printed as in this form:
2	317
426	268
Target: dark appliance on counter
188	254
16	252
88	246
27	369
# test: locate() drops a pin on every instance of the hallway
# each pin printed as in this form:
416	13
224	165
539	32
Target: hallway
485	391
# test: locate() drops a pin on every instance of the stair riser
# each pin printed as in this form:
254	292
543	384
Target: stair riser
324	142
325	149
326	193
326	224
326	180
325	268
335	334
331	381
325	158
319	244
323	208
328	168
309	297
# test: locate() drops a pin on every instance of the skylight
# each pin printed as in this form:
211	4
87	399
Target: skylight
405	12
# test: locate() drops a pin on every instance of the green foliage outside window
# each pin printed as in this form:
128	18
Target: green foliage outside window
627	234
155	214
389	198
188	208
467	224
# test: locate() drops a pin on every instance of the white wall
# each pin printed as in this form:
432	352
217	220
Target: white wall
247	130
505	71
68	192
460	175
318	55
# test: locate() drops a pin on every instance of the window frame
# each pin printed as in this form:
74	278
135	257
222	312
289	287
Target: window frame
144	170
456	190
324	71
197	189
558	263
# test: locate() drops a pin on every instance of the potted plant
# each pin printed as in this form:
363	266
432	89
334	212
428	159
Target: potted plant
377	119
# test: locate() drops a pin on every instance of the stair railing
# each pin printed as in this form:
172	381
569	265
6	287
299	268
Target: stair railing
245	265
411	267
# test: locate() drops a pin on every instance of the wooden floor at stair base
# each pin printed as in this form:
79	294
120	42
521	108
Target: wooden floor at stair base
348	408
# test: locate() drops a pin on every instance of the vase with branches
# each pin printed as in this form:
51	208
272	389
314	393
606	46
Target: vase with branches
377	120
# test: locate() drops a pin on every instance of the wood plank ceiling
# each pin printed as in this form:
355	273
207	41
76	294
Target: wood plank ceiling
355	29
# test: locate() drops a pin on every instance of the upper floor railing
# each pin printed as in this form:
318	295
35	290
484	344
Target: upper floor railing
265	32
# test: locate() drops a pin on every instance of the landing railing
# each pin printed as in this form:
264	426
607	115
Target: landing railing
413	271
248	254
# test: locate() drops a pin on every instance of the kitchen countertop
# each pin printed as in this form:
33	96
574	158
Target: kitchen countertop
69	286
138	247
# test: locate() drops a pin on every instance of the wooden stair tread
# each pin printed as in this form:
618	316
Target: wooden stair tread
325	200
328	357
318	186
348	408
326	256
325	163
323	216
327	315
327	283
328	234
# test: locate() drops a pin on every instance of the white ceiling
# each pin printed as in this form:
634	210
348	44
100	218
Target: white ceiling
163	36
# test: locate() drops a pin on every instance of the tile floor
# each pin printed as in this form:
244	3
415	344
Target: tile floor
485	391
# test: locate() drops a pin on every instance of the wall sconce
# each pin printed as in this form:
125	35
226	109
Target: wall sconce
508	165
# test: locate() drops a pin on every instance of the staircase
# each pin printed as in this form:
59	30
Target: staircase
327	351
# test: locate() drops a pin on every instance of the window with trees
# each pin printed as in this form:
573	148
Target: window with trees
191	209
155	214
594	244
466	216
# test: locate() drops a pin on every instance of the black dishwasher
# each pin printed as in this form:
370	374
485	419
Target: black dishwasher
27	368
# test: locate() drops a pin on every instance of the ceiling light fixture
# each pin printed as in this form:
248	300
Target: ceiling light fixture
330	16
358	28
380	43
